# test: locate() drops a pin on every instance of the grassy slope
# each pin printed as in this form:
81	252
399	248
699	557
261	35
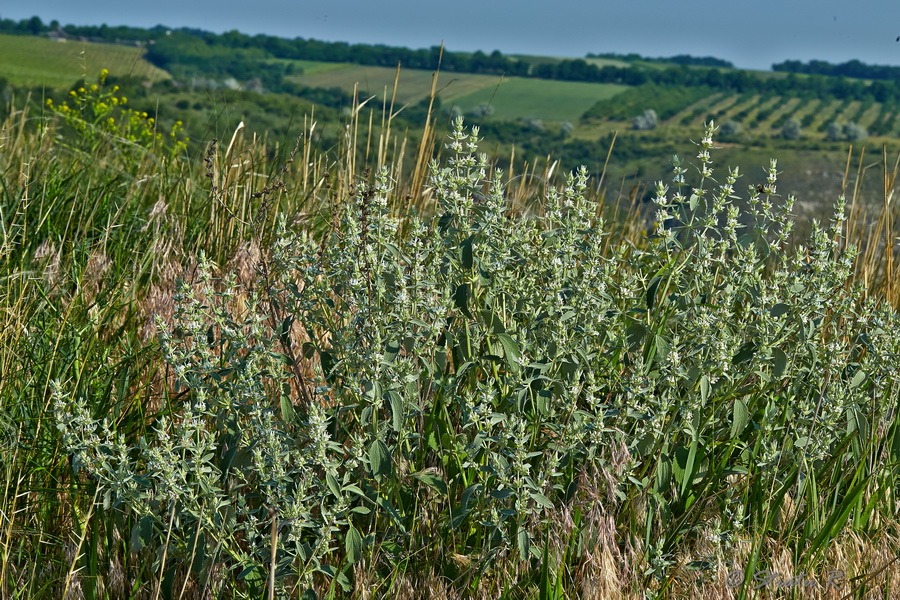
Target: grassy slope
540	99
35	61
512	97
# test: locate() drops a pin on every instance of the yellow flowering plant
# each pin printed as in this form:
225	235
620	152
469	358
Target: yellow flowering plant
98	112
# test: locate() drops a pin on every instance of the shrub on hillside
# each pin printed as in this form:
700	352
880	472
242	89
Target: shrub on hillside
790	130
845	132
646	120
483	110
730	130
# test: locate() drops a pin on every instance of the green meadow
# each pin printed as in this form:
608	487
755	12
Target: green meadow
32	61
512	98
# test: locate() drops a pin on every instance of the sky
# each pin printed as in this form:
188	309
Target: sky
752	34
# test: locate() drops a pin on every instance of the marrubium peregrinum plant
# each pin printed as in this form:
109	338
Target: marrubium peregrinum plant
466	376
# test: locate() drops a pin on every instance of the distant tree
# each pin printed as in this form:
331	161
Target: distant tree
730	129
790	130
566	128
835	132
846	132
854	132
483	110
647	120
35	26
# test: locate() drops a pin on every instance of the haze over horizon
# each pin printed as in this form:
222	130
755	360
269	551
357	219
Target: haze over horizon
750	36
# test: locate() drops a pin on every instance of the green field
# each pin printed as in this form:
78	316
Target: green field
414	84
512	98
34	61
518	97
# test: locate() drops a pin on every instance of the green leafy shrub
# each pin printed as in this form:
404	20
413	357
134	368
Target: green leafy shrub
456	378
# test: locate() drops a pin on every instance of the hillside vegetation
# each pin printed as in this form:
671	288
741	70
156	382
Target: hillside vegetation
32	61
511	98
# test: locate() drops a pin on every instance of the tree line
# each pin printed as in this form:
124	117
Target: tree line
735	81
187	51
851	68
678	59
189	45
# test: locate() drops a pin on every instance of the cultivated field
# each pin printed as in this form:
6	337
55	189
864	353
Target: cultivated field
33	61
512	98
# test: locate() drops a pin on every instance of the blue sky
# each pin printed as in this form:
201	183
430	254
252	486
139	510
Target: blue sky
750	33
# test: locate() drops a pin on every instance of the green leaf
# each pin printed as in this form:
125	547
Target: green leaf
779	362
856	421
663	474
511	351
287	409
651	291
501	494
661	347
523	541
397	415
690	468
857	380
779	309
461	299
198	547
744	353
740	417
309	594
541	499
704	388
462	511
432	481
466	253
634	335
344	581
283	358
141	533
285	331
379	458
333	484
353	545
492	321
679	463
